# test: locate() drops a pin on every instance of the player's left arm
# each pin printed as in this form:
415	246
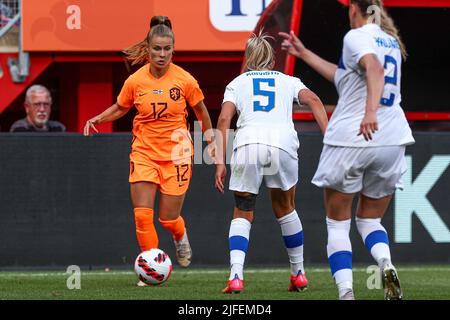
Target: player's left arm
309	98
375	87
202	114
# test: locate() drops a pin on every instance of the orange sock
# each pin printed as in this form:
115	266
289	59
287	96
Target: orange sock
145	229
175	227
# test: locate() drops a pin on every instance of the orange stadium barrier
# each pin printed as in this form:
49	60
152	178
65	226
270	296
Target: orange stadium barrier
104	25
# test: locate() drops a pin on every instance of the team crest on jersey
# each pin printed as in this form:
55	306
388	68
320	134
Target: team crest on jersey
175	94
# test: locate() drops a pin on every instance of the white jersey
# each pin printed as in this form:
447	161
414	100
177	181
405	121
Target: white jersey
350	81
264	100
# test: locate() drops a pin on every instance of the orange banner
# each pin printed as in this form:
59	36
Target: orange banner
112	25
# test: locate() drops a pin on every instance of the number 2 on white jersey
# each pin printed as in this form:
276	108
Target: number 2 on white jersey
389	102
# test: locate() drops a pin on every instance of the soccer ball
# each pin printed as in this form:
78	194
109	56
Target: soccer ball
153	266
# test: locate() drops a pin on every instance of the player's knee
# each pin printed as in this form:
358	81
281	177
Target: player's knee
245	201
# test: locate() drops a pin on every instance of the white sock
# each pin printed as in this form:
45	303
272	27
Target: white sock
339	250
238	238
345	287
375	238
292	232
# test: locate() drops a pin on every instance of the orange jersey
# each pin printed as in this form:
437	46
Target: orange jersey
160	127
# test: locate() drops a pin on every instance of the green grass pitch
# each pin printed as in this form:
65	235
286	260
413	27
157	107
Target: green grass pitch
424	282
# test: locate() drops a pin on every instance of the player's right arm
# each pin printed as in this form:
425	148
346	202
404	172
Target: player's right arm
112	113
223	124
375	85
295	47
125	101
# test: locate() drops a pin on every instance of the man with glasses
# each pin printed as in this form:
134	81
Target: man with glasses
38	103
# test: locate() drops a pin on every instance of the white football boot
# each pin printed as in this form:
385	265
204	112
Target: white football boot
183	251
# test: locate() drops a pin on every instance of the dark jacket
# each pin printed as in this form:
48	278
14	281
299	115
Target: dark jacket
23	125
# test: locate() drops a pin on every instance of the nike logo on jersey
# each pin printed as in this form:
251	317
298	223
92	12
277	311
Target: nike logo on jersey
140	94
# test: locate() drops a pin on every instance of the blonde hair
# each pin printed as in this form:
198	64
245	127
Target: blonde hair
387	24
259	54
139	53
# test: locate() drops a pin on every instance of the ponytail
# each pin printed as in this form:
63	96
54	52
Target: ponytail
386	22
259	54
388	26
139	53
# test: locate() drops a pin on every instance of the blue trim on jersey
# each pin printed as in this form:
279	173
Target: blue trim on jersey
376	237
293	241
341	63
340	260
238	243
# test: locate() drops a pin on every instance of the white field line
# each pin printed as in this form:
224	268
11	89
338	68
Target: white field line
9	274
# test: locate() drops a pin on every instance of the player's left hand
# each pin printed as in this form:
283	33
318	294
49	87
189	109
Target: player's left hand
369	125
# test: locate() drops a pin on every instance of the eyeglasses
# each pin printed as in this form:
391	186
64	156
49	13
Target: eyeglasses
41	104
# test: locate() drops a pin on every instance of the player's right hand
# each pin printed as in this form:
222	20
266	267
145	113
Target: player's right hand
221	173
368	126
90	124
292	44
211	148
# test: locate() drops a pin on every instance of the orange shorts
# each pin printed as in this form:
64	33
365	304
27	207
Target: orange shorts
172	178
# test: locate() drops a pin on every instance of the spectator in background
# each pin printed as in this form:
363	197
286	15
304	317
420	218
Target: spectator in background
38	103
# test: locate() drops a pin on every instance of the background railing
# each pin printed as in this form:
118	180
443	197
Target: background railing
10	39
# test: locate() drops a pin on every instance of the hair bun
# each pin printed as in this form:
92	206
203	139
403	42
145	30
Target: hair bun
157	20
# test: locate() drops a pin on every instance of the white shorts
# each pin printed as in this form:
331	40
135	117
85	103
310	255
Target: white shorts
253	162
376	172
